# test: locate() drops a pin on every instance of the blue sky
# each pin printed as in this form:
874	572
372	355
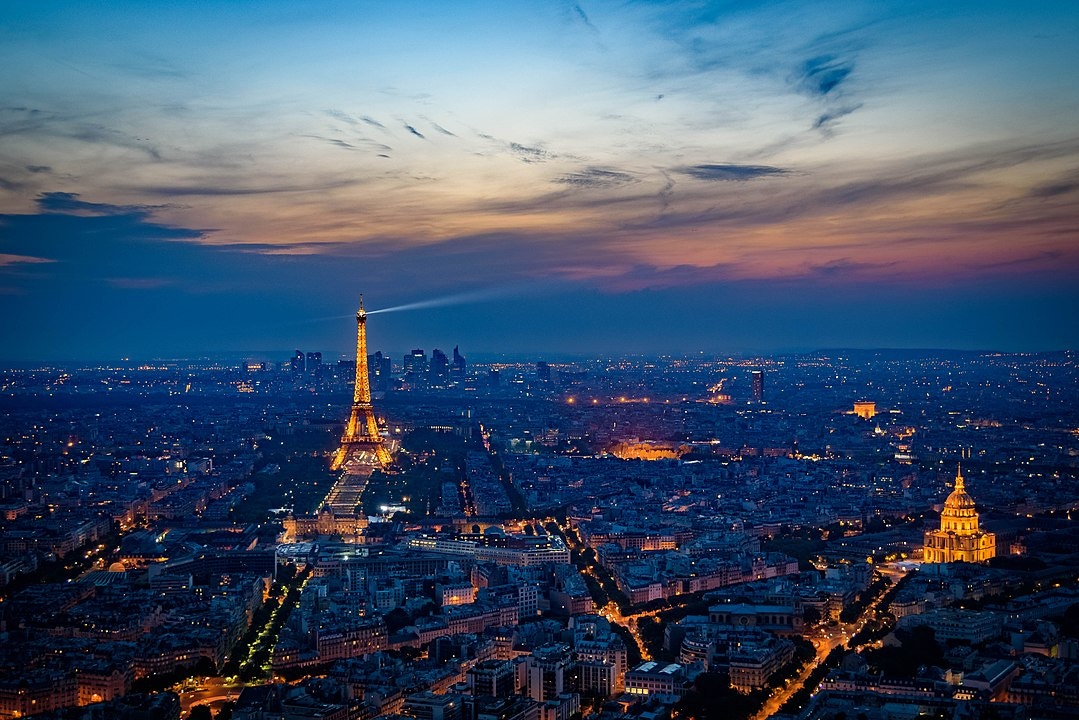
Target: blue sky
192	177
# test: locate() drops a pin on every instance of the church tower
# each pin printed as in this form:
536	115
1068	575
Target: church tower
959	538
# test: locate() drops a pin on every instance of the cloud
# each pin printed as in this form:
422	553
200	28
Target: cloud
414	131
100	134
65	202
441	129
196	296
529	154
846	268
272	186
372	122
729	171
826	121
38	169
821	75
1047	258
594	177
333	141
582	17
140	283
342	115
1062	186
9	259
361	143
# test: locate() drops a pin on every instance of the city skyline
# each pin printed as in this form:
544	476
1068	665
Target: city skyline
576	178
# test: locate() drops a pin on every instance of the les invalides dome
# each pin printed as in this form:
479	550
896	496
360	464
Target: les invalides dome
959	538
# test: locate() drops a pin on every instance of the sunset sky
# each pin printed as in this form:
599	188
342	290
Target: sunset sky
179	178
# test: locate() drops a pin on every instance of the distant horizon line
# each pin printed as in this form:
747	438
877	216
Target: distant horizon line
283	356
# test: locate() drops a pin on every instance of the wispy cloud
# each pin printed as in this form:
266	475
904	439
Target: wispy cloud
140	283
827	120
269	186
1065	185
65	202
528	153
846	268
342	116
441	129
731	172
10	259
595	178
582	17
822	75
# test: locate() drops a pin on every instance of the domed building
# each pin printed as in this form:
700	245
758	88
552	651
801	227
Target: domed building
959	538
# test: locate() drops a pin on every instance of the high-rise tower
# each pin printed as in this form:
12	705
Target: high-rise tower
361	436
758	386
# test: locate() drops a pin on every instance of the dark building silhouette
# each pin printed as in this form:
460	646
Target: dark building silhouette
543	372
299	364
440	368
380	370
458	369
314	363
493	678
758	386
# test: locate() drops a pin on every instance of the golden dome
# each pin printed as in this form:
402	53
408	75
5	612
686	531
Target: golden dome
959	499
959	538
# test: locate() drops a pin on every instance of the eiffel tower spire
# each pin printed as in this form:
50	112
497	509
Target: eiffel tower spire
361	433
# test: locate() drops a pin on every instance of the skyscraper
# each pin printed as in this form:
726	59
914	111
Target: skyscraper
440	368
457	371
416	366
758	386
299	366
381	367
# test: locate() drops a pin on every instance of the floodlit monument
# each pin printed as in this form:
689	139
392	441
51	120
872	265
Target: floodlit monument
959	538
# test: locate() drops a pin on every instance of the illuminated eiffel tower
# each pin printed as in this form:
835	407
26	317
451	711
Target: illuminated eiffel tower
361	440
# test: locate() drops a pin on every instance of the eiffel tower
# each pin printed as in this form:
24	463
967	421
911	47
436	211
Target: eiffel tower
361	440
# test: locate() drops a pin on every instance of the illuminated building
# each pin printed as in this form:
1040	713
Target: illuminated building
758	386
416	365
361	438
657	680
959	538
865	409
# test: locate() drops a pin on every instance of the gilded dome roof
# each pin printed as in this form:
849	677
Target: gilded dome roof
959	499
